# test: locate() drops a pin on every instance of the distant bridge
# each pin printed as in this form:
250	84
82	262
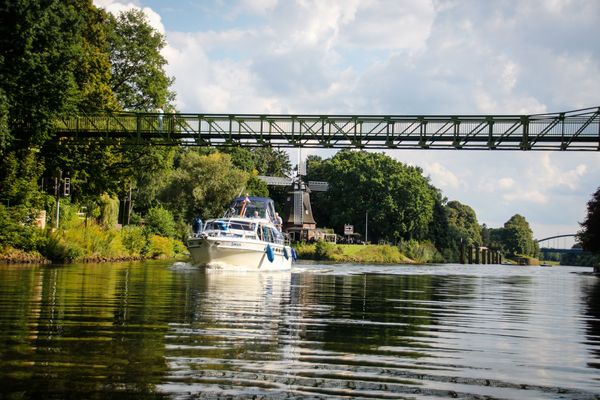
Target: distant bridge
557	237
576	130
546	250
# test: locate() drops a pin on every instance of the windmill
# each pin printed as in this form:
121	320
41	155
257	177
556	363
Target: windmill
300	223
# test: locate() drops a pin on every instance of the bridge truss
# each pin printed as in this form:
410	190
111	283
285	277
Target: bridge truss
572	130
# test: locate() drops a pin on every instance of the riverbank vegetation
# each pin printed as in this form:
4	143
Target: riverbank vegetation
352	253
102	200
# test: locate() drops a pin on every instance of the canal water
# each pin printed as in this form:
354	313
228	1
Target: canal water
164	330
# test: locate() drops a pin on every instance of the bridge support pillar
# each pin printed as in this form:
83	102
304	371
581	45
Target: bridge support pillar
470	254
477	258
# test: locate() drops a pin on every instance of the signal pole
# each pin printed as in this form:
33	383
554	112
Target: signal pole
57	184
367	227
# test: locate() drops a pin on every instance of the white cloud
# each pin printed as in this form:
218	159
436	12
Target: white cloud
529	196
115	7
441	176
260	7
506	183
554	175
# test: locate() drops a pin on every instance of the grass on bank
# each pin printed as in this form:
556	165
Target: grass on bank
355	253
83	242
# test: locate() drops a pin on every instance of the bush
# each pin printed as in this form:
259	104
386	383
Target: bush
160	222
109	211
160	247
420	252
16	229
134	240
326	250
305	251
59	250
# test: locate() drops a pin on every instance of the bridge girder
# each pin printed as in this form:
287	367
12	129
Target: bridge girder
572	130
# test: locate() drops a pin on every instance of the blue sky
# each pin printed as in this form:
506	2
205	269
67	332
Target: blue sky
404	57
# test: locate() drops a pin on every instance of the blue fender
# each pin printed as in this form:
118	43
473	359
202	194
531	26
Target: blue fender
285	253
270	254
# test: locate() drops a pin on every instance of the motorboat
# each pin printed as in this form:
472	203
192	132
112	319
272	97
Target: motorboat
247	237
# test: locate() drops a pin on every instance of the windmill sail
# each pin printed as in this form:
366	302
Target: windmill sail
275	180
318	186
298	207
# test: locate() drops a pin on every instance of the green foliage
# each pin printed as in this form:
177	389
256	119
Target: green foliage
518	237
60	250
305	251
420	252
398	198
17	229
109	211
589	235
463	219
138	77
160	247
134	239
326	250
160	222
256	187
19	173
351	253
202	185
40	44
272	162
585	259
493	238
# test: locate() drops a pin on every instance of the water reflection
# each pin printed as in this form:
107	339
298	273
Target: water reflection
158	330
80	330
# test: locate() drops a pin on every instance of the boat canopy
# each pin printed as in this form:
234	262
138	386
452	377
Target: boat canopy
252	207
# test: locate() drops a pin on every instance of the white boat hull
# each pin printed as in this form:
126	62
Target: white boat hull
240	255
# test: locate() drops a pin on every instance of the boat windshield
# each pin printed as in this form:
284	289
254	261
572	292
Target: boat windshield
251	208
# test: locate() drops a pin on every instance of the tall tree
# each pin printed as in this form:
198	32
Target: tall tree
138	76
518	236
464	219
589	235
53	62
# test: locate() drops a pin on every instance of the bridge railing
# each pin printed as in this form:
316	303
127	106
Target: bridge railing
573	130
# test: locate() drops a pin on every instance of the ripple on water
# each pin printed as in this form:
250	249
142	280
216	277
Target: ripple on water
153	330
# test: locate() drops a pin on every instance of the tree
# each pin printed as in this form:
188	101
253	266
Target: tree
397	197
52	62
202	185
589	235
464	219
518	237
138	77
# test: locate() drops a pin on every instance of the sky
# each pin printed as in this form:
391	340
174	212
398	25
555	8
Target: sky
402	57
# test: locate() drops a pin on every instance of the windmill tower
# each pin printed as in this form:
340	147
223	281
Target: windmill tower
300	223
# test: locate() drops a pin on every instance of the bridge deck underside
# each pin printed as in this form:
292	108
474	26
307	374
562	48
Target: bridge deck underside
577	130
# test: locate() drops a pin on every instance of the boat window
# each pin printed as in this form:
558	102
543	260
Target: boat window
242	226
266	234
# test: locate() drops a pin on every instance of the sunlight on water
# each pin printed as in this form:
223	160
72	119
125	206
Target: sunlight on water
167	330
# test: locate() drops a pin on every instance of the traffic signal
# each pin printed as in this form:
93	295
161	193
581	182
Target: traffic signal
67	187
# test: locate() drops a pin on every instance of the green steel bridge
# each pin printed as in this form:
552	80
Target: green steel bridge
577	130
